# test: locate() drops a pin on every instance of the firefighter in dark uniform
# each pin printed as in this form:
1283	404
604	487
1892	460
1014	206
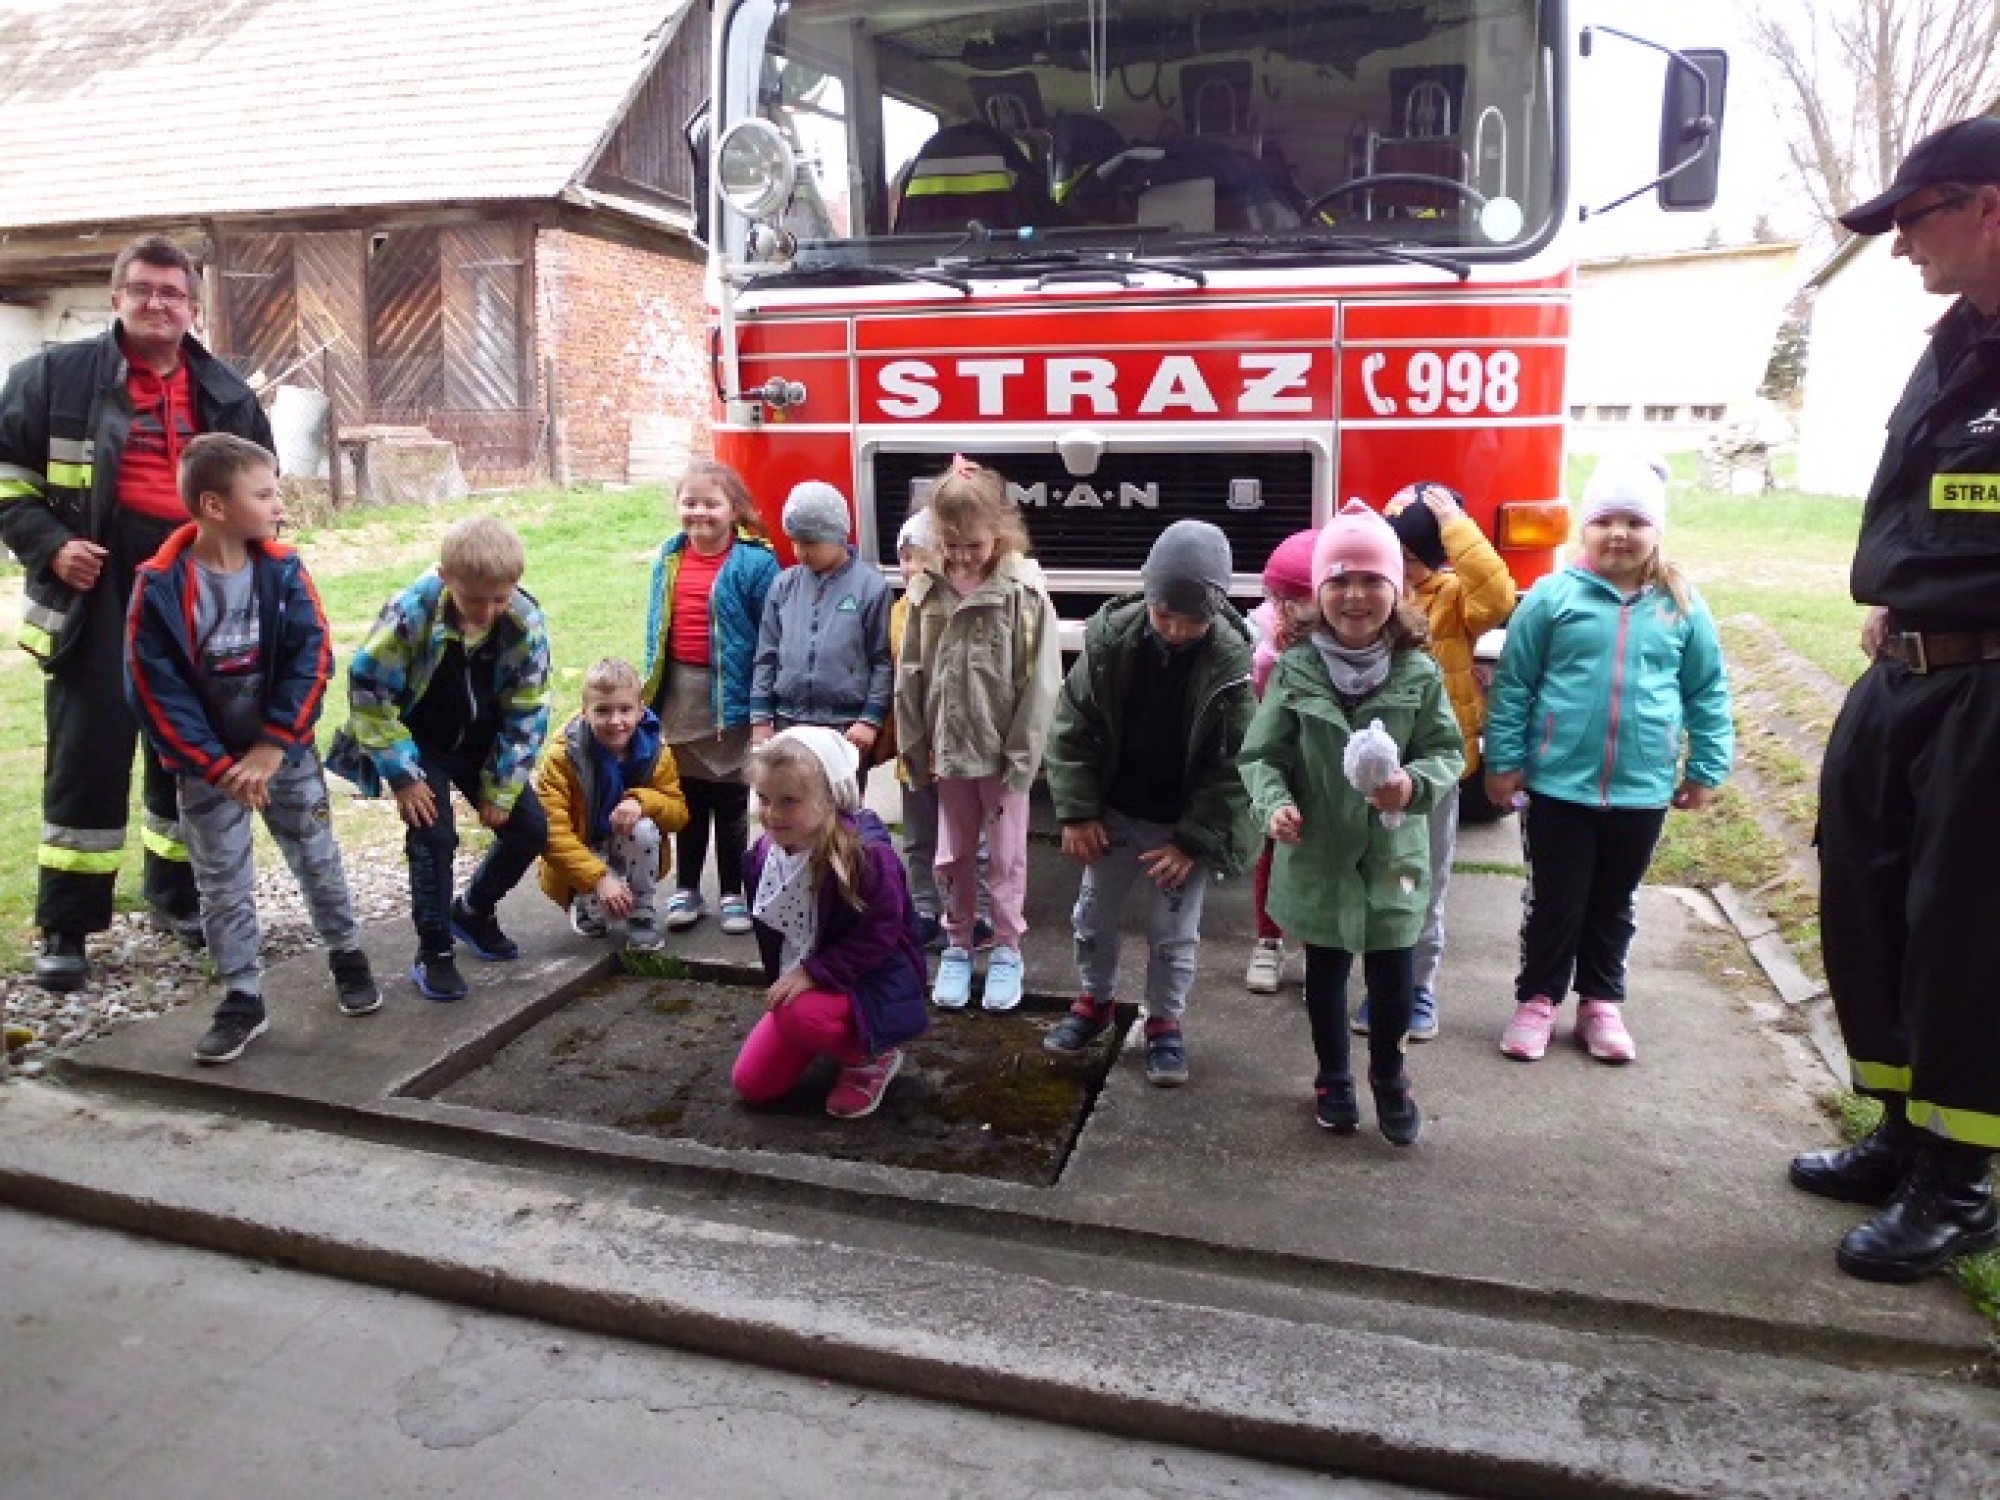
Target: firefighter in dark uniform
90	440
1910	789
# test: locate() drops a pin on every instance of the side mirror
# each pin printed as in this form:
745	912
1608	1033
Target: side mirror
1691	128
696	133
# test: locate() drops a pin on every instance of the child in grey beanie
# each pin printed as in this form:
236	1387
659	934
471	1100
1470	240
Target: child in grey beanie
1188	569
816	512
823	640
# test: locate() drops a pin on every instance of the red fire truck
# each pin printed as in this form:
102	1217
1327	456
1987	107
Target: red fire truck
1237	260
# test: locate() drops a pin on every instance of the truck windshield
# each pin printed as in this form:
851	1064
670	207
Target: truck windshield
1233	130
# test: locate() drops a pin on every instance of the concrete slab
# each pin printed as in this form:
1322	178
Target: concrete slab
1652	1195
1412	1390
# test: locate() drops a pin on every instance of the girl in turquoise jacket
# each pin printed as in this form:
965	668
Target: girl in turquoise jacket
1611	703
1351	872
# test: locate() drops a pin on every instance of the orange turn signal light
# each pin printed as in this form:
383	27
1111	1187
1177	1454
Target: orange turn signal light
1526	525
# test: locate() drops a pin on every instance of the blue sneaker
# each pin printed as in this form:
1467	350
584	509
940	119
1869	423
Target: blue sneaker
1003	980
953	990
1359	1025
480	931
1424	1016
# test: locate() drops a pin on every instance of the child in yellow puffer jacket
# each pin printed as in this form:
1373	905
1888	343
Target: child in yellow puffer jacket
1451	573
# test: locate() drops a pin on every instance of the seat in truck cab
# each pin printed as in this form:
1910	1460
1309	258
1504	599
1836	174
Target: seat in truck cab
1187	182
967	172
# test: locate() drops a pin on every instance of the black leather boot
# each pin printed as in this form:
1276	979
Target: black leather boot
61	965
1870	1170
1944	1209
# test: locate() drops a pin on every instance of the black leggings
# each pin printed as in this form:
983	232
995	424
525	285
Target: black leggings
1584	869
1392	981
728	804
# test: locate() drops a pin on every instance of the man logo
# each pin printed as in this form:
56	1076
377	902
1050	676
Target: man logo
1246	494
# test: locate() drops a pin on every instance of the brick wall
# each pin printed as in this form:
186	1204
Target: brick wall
627	333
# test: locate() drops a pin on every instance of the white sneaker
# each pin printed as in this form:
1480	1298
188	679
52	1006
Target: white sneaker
684	909
953	990
583	924
1267	967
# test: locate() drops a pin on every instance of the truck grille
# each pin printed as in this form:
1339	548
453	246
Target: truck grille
1138	495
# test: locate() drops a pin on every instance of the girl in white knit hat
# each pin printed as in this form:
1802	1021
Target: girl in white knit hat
1611	703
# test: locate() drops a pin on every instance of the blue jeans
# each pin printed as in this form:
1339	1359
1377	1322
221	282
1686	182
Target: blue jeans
517	844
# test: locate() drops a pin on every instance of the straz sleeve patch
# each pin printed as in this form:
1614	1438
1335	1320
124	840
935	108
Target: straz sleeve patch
1973	492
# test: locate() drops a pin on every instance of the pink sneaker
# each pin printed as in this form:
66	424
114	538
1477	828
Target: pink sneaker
1527	1035
860	1088
1600	1031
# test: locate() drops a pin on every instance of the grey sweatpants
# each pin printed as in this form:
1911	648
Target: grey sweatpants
634	858
1429	951
1173	924
218	834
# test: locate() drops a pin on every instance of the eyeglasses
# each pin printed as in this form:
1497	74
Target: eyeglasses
166	296
1908	221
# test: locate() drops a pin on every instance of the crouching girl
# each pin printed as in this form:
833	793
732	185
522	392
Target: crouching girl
835	928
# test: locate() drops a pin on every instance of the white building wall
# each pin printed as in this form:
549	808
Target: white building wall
1870	320
57	317
1688	335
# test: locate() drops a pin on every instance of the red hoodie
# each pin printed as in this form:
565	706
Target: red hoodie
148	476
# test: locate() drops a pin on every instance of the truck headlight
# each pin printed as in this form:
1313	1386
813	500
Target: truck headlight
755	168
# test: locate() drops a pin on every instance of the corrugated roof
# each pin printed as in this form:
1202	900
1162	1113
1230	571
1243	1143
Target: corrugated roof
121	110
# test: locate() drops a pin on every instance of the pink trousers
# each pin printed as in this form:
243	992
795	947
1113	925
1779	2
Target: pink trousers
966	805
787	1041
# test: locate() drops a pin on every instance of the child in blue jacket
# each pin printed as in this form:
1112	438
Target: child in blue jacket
451	689
1610	704
226	665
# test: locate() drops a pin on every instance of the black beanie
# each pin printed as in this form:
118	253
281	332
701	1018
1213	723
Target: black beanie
1416	527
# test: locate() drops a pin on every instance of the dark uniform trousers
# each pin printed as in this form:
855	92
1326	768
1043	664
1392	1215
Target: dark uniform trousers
1909	839
87	777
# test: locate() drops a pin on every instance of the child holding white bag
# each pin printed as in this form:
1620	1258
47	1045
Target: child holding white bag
1342	880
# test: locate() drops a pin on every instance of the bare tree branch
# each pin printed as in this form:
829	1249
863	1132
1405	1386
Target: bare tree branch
1863	80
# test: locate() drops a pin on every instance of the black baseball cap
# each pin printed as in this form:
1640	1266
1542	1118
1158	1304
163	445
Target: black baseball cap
1966	152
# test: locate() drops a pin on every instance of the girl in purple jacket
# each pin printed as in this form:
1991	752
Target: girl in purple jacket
835	927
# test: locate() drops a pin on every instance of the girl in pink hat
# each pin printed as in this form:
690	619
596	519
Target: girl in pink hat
1351	873
1286	617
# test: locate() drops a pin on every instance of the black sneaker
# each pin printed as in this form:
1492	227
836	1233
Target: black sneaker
1334	1107
480	931
1166	1058
238	1022
1085	1023
1396	1110
930	932
354	983
61	966
436	974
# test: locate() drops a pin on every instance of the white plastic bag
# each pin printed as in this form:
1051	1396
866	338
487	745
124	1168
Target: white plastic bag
1372	762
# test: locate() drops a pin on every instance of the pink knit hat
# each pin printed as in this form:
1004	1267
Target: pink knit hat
1289	573
1357	541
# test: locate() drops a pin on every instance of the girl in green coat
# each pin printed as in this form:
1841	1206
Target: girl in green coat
1352	870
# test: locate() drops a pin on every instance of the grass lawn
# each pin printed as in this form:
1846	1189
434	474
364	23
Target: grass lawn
589	558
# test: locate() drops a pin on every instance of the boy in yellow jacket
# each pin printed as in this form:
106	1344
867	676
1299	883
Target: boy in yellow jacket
612	794
1451	573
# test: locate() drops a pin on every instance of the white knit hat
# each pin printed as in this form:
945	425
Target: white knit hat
1626	484
919	531
837	757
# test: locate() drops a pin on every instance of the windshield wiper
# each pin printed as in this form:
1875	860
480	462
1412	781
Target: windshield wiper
860	271
1308	243
1109	263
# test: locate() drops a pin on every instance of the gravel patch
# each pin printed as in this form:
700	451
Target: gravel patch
138	972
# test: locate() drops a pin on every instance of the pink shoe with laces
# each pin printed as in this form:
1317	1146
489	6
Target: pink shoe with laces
1527	1035
1600	1031
859	1089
